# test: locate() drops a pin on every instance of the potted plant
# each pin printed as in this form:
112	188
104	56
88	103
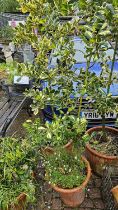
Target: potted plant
53	85
102	148
16	181
68	174
49	142
64	131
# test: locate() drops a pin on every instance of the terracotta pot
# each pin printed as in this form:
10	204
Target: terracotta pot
21	201
114	190
50	150
74	197
98	160
20	204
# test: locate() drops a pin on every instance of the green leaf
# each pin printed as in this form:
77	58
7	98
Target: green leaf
105	33
49	135
88	35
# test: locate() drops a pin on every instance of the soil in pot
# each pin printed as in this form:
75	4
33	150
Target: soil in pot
108	146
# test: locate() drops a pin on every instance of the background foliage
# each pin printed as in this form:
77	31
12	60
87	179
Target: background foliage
8	5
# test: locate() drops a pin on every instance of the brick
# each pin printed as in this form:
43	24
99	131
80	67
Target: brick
91	183
56	204
84	209
87	203
40	205
94	193
56	194
98	183
47	208
98	204
47	187
48	197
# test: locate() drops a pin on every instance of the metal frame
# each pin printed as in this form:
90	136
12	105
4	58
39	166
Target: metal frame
109	180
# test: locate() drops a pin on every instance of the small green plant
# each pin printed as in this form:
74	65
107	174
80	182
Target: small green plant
8	71
58	133
8	5
3	72
64	169
6	32
15	171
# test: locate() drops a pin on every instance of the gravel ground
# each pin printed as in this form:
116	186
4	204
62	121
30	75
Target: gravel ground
16	129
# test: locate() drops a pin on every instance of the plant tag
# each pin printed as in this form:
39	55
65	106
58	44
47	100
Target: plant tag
24	80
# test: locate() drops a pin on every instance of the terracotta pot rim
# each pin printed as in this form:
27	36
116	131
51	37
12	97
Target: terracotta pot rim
21	196
68	144
93	151
82	186
64	146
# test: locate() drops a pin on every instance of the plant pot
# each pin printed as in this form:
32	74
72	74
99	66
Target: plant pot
50	150
21	199
74	197
114	191
21	202
98	160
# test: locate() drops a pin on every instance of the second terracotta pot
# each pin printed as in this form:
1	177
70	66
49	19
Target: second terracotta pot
50	150
74	197
98	160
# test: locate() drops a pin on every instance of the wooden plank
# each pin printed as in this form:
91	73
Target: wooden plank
1	128
6	108
2	103
10	115
17	108
7	104
7	112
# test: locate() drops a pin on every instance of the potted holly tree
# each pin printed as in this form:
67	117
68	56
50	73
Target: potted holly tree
56	86
102	45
